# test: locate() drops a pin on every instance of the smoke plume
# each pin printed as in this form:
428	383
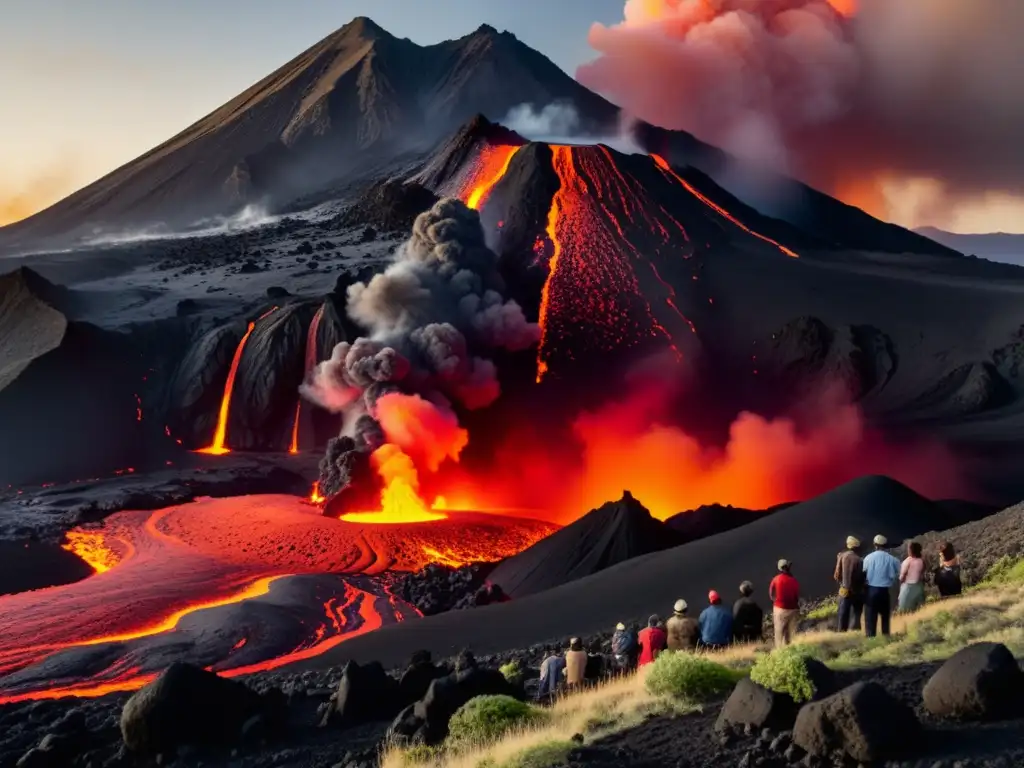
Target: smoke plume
849	96
431	318
556	119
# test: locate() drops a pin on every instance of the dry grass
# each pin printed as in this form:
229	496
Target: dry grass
993	613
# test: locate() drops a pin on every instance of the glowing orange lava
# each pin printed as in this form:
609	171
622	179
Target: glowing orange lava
494	163
311	351
92	547
847	8
219	446
315	497
667	170
561	156
400	500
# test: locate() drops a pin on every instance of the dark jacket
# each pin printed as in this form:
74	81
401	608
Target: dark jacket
683	633
747	621
623	643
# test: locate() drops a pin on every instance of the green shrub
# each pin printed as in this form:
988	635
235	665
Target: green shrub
689	676
784	670
512	671
826	610
488	718
547	755
1004	571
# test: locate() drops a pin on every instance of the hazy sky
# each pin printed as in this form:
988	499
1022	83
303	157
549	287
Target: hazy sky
88	86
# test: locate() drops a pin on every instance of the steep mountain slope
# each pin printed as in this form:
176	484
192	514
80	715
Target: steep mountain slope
611	534
356	97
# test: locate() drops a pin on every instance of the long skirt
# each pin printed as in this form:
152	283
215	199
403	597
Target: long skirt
911	597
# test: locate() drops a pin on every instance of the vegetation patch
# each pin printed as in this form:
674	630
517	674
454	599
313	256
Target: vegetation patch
784	670
549	754
512	672
1006	571
488	718
824	610
689	676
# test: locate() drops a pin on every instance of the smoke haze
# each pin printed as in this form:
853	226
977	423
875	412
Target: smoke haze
846	96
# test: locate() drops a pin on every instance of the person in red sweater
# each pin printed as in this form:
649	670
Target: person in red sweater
784	592
652	641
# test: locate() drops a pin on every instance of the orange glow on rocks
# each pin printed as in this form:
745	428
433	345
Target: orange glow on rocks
219	446
400	501
667	170
492	166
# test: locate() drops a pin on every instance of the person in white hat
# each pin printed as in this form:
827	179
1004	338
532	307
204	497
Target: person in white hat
849	573
682	630
881	572
624	648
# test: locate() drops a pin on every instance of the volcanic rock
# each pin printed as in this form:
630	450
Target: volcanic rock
365	693
966	390
426	721
418	676
752	705
711	519
980	682
389	206
186	705
611	534
863	721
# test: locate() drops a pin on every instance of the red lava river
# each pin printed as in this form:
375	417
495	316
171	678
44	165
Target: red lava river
238	585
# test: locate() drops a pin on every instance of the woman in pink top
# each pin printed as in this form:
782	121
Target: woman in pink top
912	580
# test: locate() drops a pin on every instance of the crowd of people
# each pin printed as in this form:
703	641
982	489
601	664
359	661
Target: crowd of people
865	583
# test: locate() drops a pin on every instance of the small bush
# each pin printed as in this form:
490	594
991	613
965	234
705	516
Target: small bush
488	718
512	672
826	610
1004	571
420	754
546	755
784	670
689	676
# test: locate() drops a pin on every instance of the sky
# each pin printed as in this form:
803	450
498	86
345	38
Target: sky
90	86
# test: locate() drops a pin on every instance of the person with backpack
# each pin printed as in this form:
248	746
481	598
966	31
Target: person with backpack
849	573
624	647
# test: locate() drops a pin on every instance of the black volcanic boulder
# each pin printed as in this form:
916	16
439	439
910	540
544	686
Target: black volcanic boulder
418	676
198	383
756	706
980	682
862	721
426	721
187	705
365	693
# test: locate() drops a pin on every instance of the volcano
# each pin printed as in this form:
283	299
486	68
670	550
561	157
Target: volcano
340	110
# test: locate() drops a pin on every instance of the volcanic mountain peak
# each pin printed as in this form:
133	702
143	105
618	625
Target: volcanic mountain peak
611	534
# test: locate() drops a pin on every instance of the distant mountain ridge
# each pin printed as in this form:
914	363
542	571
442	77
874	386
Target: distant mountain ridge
995	246
358	95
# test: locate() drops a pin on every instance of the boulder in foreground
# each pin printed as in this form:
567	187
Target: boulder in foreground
980	682
756	706
862	721
187	705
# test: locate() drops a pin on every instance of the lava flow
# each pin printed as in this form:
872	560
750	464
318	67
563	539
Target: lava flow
311	361
186	569
493	164
667	170
219	446
400	500
594	267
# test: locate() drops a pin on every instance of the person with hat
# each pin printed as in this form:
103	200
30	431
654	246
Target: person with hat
683	632
784	592
881	572
747	617
715	624
849	573
624	647
651	640
575	664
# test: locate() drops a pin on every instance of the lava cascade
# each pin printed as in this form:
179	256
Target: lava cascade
667	170
311	361
596	270
219	446
491	166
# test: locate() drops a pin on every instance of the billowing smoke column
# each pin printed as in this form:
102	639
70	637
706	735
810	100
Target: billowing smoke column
853	96
431	318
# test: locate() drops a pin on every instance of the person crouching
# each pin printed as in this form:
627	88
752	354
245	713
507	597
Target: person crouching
715	624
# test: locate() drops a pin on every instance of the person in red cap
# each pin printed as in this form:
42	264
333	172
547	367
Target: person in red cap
784	592
715	624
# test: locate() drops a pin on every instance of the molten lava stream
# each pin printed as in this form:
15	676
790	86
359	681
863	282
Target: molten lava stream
219	446
493	165
591	279
311	361
667	170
